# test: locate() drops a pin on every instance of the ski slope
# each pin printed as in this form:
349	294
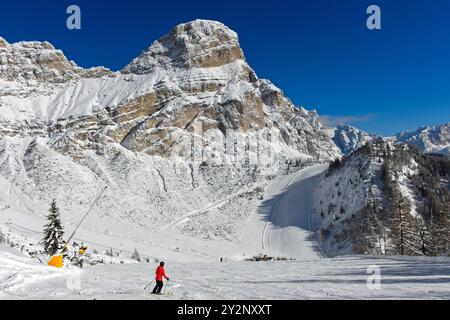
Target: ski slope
282	224
337	278
290	231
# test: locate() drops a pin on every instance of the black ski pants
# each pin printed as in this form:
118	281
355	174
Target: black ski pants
158	287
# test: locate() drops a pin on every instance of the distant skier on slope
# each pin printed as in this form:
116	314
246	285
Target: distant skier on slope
160	273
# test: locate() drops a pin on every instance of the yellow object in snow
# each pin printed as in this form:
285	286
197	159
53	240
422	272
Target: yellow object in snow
82	250
56	261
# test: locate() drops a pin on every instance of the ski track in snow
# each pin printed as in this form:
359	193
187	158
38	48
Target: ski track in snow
283	219
209	207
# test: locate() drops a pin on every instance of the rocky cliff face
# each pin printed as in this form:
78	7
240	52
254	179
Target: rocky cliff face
40	61
65	130
198	44
196	76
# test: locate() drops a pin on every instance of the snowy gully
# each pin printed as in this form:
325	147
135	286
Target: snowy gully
225	309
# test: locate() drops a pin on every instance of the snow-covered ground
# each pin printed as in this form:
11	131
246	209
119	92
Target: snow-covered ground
337	278
280	226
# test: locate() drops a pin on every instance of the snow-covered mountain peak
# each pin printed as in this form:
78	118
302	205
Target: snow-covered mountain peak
196	44
33	60
40	61
349	138
429	139
195	76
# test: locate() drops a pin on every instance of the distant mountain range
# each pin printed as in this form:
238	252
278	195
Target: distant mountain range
430	139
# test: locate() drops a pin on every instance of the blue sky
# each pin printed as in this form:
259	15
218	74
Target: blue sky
319	52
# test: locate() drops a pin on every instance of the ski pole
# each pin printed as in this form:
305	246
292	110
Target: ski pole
148	285
164	291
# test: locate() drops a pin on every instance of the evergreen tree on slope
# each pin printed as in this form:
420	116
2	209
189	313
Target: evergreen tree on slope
136	256
53	231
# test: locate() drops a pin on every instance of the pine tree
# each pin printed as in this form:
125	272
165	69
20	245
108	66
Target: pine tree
53	231
407	235
136	256
2	238
439	235
426	241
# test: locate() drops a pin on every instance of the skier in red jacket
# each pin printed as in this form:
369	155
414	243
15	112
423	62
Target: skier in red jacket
160	274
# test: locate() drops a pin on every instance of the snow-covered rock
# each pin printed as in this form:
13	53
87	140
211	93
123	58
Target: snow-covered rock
430	139
194	76
349	138
199	44
40	61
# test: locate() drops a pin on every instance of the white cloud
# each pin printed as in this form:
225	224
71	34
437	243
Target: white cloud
333	120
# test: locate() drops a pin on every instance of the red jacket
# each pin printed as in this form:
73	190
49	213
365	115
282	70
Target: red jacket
160	273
